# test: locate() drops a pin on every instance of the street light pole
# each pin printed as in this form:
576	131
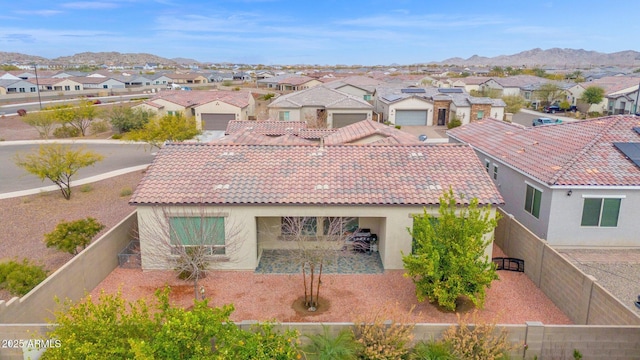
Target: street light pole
35	67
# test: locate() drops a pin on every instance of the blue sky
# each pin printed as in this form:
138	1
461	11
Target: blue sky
321	32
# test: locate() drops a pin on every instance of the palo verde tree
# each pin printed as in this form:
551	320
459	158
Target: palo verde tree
170	127
592	95
191	240
448	258
514	103
548	93
125	119
319	241
42	121
71	235
57	163
84	115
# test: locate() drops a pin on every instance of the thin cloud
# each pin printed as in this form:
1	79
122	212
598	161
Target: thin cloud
39	12
84	5
420	22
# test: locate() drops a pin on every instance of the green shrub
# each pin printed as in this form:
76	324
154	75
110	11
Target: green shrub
478	342
68	236
117	136
431	350
327	347
126	192
64	131
227	83
19	278
86	188
398	127
454	122
267	96
237	88
98	127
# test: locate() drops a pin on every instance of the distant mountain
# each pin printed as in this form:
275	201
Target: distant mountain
11	57
556	57
185	61
112	58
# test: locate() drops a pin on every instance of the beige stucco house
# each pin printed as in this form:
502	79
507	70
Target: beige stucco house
253	187
322	106
212	109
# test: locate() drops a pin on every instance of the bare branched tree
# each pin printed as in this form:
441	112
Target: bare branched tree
316	118
317	246
190	239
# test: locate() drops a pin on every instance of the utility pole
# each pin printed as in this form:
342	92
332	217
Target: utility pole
35	67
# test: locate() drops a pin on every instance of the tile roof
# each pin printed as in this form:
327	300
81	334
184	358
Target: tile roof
320	96
188	173
611	84
295	80
197	98
578	153
369	131
268	127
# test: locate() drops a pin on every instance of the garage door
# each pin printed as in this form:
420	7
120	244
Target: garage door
216	121
411	117
342	120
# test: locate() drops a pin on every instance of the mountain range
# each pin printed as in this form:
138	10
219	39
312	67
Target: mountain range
555	57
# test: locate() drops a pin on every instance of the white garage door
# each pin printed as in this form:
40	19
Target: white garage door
411	117
342	120
216	121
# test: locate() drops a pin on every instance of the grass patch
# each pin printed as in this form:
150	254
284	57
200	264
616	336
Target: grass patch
126	192
86	188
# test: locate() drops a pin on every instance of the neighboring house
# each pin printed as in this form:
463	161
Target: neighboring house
160	79
66	85
273	81
321	107
97	82
295	83
253	187
469	83
212	109
187	78
523	85
360	86
573	184
362	132
17	86
242	76
621	95
9	76
402	105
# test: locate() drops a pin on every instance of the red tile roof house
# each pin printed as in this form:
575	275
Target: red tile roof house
573	184
212	109
255	186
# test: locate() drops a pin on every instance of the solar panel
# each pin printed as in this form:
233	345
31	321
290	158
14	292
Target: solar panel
450	90
413	91
630	150
392	97
637	129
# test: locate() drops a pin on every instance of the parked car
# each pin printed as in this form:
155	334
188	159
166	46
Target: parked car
545	121
552	109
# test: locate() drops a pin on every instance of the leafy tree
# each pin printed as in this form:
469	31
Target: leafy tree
564	105
112	328
548	93
6	67
156	132
43	121
68	236
448	257
486	92
514	103
592	95
497	71
125	119
20	277
83	117
57	163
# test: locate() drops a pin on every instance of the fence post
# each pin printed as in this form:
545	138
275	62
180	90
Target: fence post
533	338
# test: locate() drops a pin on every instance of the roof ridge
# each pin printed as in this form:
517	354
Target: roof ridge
569	163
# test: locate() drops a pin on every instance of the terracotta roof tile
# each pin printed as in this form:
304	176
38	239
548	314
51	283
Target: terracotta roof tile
269	127
576	153
291	175
196	98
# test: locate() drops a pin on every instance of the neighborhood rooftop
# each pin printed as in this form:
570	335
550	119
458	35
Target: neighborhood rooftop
577	153
185	173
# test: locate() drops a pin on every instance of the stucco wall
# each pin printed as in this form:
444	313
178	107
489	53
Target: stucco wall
409	104
219	107
389	222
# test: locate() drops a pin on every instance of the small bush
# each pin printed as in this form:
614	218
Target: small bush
126	192
68	236
237	88
66	132
398	127
98	127
86	188
431	350
454	123
384	334
478	342
227	83
116	136
267	96
19	278
327	347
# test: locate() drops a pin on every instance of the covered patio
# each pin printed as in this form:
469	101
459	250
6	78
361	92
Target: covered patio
287	261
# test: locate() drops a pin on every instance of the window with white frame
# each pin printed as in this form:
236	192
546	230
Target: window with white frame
532	201
601	211
77	87
67	87
283	116
203	232
487	164
495	172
